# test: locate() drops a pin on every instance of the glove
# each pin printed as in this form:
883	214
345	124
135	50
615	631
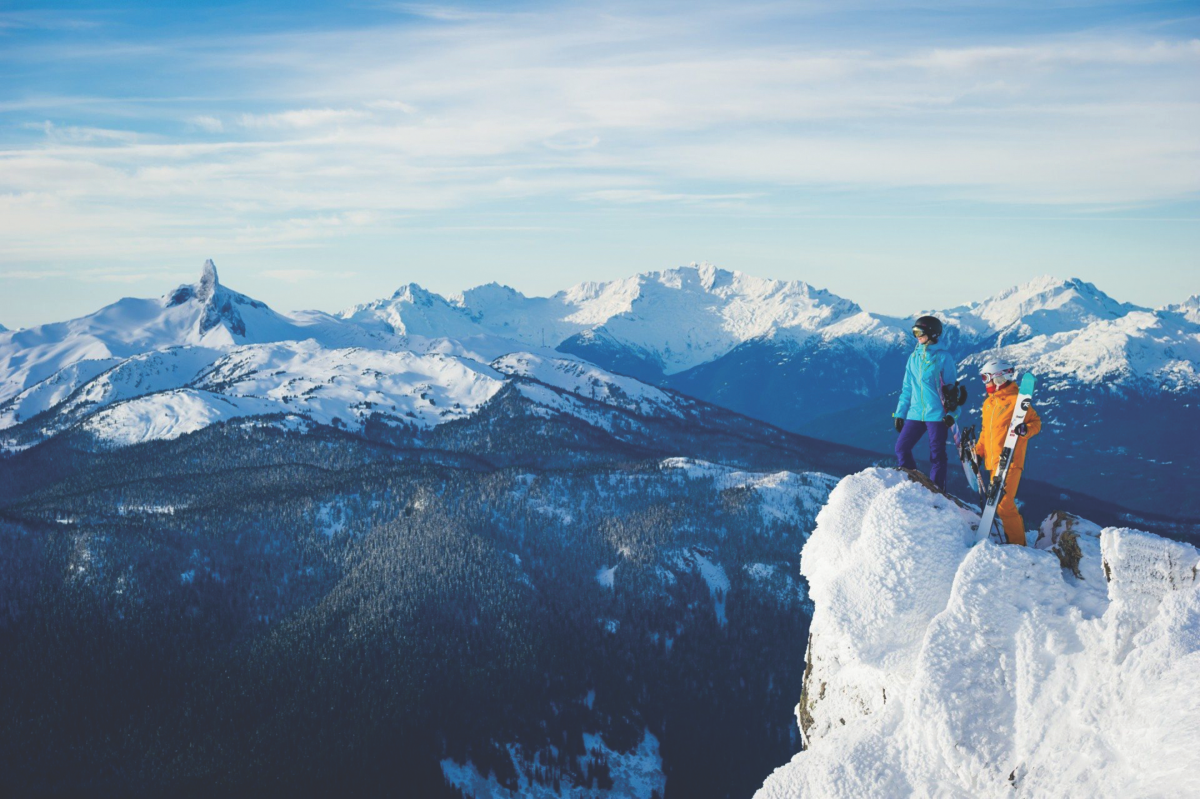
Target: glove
899	424
1022	429
948	421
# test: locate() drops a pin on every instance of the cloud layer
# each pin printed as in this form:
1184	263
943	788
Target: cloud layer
281	139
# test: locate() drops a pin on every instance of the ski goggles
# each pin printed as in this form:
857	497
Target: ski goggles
991	377
919	333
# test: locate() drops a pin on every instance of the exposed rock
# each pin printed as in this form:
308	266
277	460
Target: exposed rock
1060	533
208	284
811	692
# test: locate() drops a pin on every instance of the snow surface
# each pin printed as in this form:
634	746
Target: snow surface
50	392
169	415
695	559
349	385
636	775
586	380
778	582
332	387
784	498
606	575
942	668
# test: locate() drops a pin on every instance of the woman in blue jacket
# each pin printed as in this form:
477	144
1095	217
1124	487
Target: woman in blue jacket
920	410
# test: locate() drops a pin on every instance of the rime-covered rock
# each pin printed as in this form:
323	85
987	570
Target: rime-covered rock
938	666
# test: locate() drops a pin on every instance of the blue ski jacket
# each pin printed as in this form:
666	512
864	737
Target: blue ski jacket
929	368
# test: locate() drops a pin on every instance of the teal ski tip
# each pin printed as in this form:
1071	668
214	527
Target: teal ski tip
1026	383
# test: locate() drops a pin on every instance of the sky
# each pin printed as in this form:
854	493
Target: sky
906	156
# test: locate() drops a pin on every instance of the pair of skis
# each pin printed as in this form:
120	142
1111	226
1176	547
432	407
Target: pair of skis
991	495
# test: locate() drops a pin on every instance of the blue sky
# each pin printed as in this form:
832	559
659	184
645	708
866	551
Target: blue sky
904	156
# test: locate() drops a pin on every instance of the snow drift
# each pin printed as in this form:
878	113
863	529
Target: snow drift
941	667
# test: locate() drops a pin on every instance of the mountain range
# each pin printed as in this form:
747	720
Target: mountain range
1118	379
414	544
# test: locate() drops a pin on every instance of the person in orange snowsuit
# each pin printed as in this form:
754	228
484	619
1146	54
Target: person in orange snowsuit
997	414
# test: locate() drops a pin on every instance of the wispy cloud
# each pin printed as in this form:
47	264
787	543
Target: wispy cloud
301	137
637	196
442	13
206	122
86	275
303	118
44	20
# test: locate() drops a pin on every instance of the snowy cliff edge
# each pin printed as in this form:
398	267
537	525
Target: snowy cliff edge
941	667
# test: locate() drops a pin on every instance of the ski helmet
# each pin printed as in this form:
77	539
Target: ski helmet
930	326
997	372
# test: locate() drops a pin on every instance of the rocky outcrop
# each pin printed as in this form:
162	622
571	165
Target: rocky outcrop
938	666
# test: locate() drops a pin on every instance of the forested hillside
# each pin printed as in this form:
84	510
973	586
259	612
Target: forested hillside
249	608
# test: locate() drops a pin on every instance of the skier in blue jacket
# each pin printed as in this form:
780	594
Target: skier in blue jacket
921	409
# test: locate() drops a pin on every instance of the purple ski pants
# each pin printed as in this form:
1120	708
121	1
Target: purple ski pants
910	434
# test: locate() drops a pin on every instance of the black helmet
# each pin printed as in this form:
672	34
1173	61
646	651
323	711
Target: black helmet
930	325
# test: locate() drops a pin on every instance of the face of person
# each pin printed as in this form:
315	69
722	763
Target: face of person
920	336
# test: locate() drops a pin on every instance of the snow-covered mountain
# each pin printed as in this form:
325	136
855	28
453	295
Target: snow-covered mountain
84	387
683	318
938	668
168	393
698	328
413	311
159	368
1141	351
1043	306
789	354
673	320
204	314
1189	309
304	380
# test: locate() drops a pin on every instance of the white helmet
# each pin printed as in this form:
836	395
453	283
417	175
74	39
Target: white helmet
998	371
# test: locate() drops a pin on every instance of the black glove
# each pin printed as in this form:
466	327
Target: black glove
899	424
948	421
1022	429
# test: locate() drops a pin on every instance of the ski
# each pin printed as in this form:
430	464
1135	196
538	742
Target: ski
987	521
965	441
954	396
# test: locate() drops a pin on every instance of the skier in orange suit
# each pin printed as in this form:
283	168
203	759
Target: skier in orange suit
997	414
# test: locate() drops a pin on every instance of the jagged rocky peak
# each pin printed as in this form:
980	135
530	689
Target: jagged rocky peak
217	303
414	293
208	284
487	295
1189	309
203	290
